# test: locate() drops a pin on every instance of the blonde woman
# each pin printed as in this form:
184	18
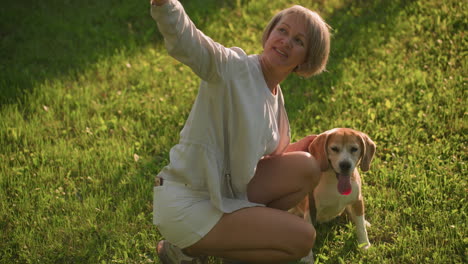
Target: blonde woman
234	173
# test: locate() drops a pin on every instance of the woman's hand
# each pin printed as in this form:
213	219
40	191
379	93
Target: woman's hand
301	145
158	2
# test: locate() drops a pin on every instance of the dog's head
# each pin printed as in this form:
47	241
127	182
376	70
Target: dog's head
341	149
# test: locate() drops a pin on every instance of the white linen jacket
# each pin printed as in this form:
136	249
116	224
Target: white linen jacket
231	121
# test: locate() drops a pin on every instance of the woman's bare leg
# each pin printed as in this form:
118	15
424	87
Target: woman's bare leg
283	181
267	234
257	235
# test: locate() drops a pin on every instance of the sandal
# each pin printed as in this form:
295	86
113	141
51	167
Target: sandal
170	254
231	261
309	259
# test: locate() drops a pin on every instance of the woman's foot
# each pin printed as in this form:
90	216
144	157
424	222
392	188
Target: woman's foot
171	254
230	261
309	259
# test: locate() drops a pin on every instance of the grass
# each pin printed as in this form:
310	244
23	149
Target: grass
91	104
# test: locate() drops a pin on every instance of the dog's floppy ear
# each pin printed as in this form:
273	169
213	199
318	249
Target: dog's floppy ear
368	152
318	149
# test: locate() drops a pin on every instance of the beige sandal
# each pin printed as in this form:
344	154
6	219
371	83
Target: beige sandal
170	254
230	261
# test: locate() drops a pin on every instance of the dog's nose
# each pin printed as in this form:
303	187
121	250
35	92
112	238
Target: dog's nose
345	166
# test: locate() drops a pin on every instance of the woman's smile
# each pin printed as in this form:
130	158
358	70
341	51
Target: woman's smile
285	48
281	52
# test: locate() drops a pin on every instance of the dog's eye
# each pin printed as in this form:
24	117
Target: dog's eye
335	149
354	149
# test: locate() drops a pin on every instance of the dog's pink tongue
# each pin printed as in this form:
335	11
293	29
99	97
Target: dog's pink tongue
344	184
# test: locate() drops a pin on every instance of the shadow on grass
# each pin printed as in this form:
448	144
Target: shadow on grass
47	39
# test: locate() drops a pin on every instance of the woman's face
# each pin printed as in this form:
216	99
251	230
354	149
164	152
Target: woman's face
285	48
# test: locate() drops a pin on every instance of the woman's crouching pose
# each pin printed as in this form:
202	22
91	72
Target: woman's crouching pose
234	173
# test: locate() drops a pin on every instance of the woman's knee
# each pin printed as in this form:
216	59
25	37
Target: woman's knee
305	241
308	165
309	239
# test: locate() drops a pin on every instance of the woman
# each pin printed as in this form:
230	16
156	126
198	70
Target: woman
234	174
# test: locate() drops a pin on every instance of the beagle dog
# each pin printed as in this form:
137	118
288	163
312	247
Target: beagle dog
339	152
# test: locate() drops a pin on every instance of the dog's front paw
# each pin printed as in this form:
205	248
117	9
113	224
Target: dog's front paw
367	224
364	246
362	238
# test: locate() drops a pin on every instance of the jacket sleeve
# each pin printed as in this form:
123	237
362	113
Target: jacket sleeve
189	45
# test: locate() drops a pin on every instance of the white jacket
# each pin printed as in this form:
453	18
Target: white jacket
233	105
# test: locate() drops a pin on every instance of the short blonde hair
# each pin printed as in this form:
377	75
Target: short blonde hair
318	39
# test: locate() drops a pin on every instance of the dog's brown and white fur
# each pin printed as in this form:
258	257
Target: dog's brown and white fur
339	151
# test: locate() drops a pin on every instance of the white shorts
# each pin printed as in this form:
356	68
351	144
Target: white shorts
183	216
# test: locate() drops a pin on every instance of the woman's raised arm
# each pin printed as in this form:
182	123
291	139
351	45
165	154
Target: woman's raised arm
158	2
186	43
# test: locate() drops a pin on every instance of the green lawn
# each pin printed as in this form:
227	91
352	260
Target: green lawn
90	104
